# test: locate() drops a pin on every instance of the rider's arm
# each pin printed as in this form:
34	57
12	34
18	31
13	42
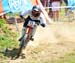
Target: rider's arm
24	13
42	20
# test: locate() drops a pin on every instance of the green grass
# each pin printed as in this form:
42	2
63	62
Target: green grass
8	39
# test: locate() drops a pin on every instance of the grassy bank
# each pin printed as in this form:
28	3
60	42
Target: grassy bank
8	39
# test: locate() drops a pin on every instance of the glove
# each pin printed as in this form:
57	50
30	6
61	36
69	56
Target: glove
21	16
43	25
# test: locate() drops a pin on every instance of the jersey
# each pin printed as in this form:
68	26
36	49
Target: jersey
40	18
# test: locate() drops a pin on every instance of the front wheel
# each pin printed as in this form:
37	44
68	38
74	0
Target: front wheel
22	45
20	49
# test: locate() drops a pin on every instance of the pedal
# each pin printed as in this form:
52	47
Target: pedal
32	39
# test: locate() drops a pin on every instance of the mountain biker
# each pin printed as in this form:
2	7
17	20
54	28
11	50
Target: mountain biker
34	14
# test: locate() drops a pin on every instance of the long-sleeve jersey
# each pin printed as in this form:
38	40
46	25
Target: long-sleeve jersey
41	18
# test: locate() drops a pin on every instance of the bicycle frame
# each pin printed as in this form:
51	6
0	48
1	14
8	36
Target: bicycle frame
25	40
27	37
28	34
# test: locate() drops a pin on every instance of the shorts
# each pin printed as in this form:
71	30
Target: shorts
55	4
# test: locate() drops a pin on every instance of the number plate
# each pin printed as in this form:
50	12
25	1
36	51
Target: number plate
31	24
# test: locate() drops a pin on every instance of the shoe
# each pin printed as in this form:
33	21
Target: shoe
32	39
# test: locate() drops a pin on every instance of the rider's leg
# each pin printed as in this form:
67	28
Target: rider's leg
33	33
23	33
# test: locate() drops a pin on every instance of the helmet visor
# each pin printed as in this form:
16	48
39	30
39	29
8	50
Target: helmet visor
36	9
36	13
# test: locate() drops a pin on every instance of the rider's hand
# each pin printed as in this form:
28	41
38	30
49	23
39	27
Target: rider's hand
21	17
43	25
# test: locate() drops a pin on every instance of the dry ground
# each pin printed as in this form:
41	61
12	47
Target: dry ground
51	42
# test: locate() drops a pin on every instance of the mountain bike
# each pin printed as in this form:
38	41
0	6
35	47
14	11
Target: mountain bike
26	38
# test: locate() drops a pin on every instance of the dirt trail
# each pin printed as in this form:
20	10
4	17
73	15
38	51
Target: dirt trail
51	42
